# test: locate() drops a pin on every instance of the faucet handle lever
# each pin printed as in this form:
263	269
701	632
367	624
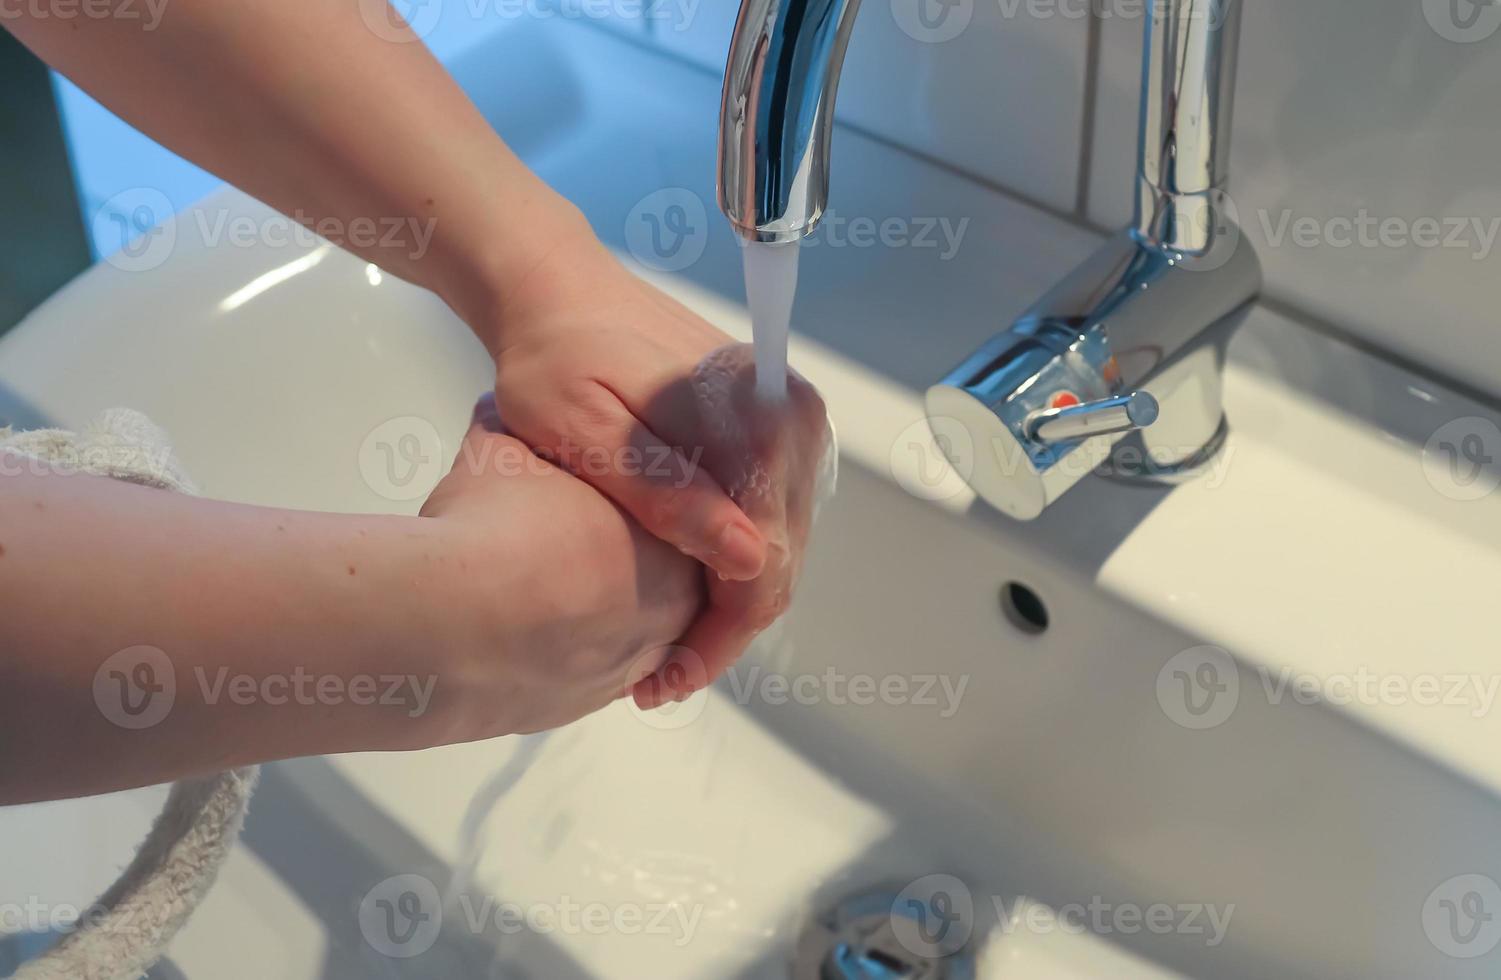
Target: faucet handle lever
1125	413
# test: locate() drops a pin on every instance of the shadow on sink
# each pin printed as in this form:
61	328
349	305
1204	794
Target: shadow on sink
331	845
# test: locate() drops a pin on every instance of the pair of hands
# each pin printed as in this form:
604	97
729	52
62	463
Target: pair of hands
668	507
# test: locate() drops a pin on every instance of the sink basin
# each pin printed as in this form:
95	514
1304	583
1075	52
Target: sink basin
1158	732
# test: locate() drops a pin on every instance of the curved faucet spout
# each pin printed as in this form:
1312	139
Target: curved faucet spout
777	115
776	118
1077	382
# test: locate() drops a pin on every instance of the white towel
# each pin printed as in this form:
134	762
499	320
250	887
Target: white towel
181	856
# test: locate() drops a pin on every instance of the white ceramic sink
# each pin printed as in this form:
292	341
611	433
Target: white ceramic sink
1228	710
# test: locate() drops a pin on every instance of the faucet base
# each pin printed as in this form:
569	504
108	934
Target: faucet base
1130	461
1133	322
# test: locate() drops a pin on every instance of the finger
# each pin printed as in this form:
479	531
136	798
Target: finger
654	679
680	676
683	505
488	448
486	414
737	613
670	496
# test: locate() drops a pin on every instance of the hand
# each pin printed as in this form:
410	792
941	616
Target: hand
601	371
564	601
772	458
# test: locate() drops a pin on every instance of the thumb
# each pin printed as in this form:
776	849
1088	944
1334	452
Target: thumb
485	444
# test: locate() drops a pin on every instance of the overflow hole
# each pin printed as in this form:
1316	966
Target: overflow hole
1024	608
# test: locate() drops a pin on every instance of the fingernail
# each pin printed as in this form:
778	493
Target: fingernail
648	699
739	552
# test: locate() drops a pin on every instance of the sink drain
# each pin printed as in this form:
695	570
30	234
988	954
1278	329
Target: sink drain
877	935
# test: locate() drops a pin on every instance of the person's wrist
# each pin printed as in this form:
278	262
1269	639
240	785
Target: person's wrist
419	629
500	288
465	620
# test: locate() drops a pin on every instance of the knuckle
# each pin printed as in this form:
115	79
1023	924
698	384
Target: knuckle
577	424
669	507
590	409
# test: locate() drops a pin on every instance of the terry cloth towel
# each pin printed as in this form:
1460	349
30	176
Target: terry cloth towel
130	925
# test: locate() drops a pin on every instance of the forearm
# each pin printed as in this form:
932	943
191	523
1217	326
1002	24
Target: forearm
306	107
273	626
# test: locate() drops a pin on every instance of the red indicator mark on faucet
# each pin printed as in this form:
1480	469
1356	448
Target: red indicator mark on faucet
1064	399
1112	371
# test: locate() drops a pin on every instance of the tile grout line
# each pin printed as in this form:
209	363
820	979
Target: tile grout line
1065	214
1268	300
1091	103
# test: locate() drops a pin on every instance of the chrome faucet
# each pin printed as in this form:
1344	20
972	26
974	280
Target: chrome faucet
1117	368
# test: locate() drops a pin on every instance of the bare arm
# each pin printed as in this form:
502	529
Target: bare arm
92	567
303	104
147	635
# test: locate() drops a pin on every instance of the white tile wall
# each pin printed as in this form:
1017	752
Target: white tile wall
1117	104
1002	98
1348	110
1352	110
